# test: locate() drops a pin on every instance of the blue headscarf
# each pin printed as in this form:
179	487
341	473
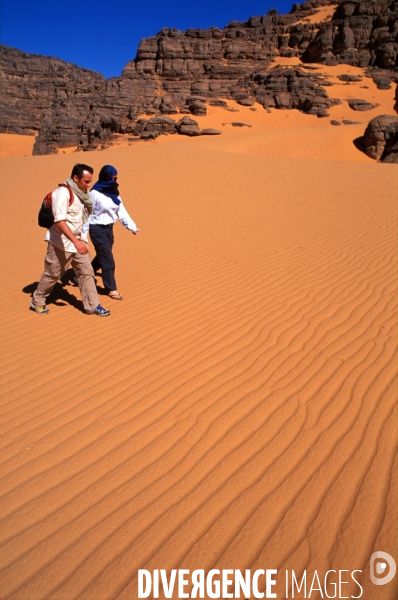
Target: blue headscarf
106	185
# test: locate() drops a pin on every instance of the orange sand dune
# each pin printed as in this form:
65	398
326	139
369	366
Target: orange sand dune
238	409
12	144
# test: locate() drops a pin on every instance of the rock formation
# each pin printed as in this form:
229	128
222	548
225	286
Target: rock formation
30	84
177	73
188	126
359	104
361	33
380	140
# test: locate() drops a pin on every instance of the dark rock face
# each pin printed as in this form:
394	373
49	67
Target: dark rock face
31	83
179	72
287	88
380	140
361	33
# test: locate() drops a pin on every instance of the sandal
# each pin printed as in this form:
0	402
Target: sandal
115	295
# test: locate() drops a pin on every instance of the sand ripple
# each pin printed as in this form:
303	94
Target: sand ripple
238	408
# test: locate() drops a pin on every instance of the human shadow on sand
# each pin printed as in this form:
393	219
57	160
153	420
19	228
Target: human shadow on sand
60	296
69	278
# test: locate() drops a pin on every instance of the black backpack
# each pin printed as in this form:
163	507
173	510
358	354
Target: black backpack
45	216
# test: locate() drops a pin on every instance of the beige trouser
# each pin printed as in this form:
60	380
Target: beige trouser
55	264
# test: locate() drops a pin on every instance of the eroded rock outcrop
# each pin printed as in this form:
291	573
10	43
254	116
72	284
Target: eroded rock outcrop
361	33
31	83
380	140
287	88
188	126
360	104
179	73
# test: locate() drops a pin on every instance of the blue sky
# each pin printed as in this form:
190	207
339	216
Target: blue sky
104	36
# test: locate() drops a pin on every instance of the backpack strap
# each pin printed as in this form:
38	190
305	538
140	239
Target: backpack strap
47	199
71	197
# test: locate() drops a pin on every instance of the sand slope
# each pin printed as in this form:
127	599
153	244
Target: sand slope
12	144
237	410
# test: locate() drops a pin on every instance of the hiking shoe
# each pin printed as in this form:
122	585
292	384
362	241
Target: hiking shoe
41	309
101	312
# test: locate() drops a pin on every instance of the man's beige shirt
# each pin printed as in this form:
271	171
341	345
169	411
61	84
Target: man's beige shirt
73	215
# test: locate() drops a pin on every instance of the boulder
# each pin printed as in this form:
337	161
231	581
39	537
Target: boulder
246	101
197	107
210	131
161	124
349	78
361	105
188	126
220	103
383	78
167	106
380	140
382	82
149	135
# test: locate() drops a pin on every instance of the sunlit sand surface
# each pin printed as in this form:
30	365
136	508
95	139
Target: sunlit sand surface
237	409
12	144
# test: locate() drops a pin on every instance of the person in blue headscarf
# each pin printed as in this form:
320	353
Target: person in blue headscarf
107	209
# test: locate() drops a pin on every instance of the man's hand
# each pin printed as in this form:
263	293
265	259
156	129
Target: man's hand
136	232
81	247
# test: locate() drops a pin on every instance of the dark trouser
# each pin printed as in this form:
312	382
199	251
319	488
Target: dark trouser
102	238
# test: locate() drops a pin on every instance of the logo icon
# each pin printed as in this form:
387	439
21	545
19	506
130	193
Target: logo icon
382	563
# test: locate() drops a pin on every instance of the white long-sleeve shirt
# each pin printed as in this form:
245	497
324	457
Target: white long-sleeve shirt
105	212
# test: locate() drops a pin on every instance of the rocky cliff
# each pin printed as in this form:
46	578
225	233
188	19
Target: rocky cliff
178	72
30	84
361	33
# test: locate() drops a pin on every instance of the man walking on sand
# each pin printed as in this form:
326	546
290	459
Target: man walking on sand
67	245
